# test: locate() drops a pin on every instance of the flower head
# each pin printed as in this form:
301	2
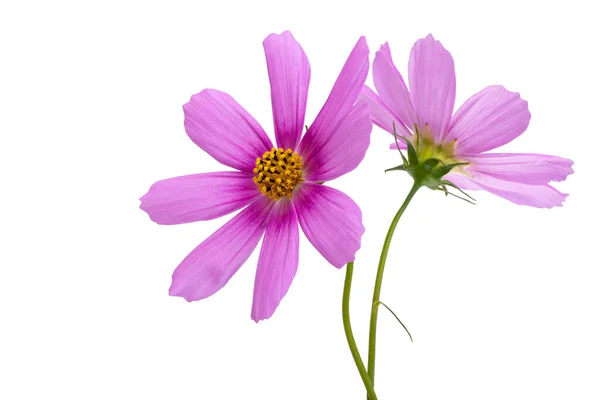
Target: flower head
489	119
279	186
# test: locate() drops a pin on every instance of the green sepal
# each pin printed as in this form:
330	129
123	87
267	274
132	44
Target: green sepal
404	160
430	164
428	173
412	152
444	169
398	168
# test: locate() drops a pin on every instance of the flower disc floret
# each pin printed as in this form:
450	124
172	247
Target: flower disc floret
278	173
427	147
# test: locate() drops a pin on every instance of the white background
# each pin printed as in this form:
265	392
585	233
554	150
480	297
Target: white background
502	300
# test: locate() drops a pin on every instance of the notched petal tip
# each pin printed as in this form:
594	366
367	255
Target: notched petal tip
560	199
206	92
359	56
257	319
198	197
146	204
224	129
351	257
489	119
432	83
331	221
277	262
526	194
384	52
361	43
289	77
431	42
143	208
175	292
211	264
393	93
277	36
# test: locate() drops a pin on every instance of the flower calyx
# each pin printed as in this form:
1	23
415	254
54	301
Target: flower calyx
427	172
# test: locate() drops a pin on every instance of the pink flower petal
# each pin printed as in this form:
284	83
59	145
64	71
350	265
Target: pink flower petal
210	265
343	150
462	181
541	196
432	84
489	119
381	115
278	260
330	220
392	89
289	74
222	128
340	101
400	145
198	197
533	169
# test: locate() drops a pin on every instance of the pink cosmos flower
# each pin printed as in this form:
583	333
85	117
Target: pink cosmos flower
280	187
489	119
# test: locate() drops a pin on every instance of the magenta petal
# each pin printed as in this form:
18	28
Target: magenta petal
343	149
401	144
340	100
533	169
289	74
541	196
489	119
198	197
462	181
278	260
330	220
392	89
210	265
432	84
381	115
222	128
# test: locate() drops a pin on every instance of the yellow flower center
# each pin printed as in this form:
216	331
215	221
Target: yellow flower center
427	148
278	172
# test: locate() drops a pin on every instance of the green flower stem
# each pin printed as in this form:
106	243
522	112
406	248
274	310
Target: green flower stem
350	336
379	279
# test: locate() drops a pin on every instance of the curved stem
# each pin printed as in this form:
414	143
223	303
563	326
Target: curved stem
379	279
350	336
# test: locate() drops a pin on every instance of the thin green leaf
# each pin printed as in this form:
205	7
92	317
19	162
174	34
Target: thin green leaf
444	189
397	319
462	198
404	160
398	145
398	168
445	182
412	153
418	137
441	171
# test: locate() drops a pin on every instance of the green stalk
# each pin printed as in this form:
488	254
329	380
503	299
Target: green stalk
350	336
379	279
